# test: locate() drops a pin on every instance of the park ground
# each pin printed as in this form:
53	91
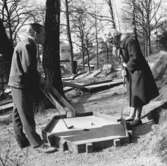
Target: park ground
142	151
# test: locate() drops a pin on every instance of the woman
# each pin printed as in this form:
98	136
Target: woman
140	83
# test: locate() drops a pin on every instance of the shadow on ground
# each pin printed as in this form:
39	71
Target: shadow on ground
141	130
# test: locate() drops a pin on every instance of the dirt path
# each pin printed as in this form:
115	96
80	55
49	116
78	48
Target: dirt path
111	102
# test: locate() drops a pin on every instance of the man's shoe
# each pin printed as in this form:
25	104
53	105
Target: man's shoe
45	148
134	123
127	119
24	144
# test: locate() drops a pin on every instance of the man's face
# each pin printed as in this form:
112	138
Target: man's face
41	36
116	41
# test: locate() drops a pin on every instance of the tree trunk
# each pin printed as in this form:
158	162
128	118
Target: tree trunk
107	55
51	48
112	14
6	50
149	39
88	55
134	19
69	35
6	44
148	10
97	44
82	49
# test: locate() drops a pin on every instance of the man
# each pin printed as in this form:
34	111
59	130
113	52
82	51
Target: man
140	83
24	81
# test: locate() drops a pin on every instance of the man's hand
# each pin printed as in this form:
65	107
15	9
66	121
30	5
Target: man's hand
124	65
123	73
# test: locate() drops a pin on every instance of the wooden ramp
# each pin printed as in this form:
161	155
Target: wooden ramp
94	87
6	106
89	133
69	86
103	85
153	109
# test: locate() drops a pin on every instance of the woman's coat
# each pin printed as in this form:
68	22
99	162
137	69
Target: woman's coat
140	82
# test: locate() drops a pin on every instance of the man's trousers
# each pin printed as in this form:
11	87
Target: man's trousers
23	118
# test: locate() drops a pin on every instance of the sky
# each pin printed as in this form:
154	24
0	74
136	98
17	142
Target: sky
117	6
117	3
44	1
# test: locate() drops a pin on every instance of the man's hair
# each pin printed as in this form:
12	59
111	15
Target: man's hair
36	27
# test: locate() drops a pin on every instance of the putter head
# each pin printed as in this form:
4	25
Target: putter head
70	127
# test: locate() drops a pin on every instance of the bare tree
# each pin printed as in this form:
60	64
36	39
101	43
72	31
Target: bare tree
110	5
14	15
96	37
142	14
39	14
79	26
86	25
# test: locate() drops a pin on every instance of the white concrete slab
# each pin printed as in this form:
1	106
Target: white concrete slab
80	123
